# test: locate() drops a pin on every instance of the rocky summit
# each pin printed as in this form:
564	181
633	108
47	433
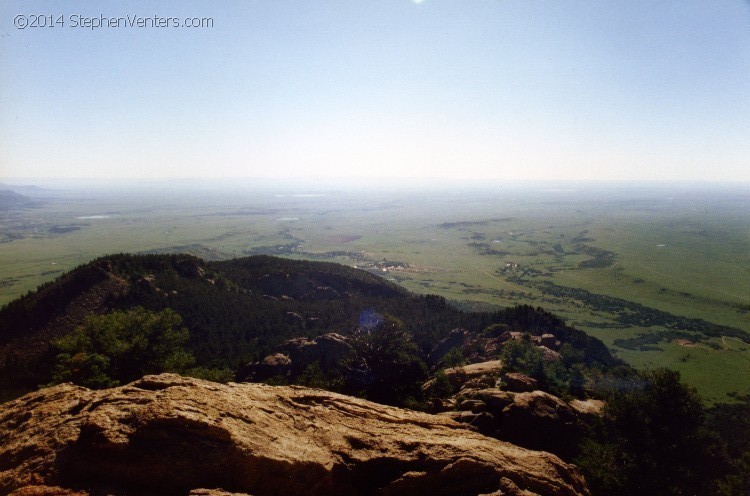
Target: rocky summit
168	434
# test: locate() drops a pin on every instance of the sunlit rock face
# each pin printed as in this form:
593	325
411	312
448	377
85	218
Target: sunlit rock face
168	434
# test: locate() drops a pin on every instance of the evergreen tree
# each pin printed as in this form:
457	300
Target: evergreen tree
389	364
122	346
651	440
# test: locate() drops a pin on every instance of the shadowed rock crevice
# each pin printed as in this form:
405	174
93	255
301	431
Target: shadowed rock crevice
171	456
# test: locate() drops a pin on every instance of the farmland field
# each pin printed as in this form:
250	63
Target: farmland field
660	273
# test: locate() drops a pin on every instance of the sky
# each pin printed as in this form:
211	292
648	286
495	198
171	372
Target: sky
471	89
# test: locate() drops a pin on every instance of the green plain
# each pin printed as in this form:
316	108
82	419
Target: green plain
681	251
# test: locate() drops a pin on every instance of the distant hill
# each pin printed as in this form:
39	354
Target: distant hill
10	199
238	310
26	189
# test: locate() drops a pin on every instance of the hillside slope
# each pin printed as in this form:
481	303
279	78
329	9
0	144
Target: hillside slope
237	311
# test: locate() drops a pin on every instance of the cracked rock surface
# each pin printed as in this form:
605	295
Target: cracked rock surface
167	434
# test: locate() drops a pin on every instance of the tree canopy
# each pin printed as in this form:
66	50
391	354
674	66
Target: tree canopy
122	346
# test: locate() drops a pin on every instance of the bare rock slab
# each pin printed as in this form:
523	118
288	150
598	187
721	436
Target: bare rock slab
168	434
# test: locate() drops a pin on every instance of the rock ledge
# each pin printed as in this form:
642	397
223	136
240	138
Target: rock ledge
169	434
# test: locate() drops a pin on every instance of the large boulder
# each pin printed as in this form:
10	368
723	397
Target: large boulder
518	382
277	364
168	434
495	399
475	374
540	420
535	419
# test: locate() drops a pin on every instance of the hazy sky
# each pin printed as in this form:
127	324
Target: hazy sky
509	89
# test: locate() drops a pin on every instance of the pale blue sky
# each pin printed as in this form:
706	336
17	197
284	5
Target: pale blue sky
438	88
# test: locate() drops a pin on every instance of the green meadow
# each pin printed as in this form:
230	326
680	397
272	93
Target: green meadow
660	273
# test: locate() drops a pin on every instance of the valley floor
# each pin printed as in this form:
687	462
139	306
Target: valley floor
659	273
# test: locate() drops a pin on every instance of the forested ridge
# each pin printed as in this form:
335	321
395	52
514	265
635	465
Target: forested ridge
236	311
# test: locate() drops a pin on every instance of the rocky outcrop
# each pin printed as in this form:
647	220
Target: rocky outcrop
59	491
535	419
46	491
277	364
511	336
168	434
518	382
484	347
548	341
475	374
590	407
472	376
549	355
292	357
